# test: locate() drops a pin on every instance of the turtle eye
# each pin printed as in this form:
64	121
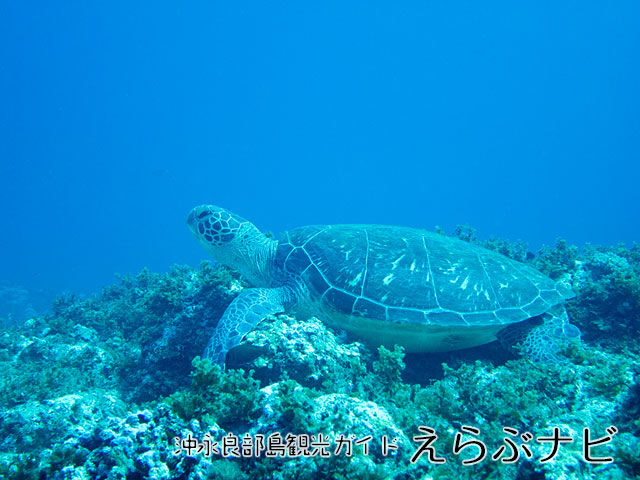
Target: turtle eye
203	214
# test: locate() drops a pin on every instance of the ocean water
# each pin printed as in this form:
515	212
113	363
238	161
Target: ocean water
117	118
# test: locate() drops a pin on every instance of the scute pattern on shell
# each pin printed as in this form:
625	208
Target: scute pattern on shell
399	274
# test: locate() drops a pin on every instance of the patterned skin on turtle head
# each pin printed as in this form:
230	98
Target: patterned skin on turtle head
232	241
213	226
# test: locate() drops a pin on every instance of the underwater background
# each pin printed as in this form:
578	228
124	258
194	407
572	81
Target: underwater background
515	127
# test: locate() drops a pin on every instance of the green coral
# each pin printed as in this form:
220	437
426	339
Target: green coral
23	466
609	293
225	469
64	377
230	399
465	233
390	365
557	261
516	250
294	404
38	363
142	321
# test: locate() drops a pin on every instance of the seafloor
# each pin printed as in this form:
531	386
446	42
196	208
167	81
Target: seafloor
102	387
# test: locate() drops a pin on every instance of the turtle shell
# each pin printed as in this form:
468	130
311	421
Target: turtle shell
406	275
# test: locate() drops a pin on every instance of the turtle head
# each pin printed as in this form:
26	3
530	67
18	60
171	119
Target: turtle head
234	242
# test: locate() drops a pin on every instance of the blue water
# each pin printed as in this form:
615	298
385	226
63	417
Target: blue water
117	118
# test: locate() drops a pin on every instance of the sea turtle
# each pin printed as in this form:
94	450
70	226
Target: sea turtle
387	285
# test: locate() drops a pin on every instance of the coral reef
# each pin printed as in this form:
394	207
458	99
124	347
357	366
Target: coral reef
112	387
18	304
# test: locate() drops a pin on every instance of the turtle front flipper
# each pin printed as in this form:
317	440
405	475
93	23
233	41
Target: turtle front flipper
244	313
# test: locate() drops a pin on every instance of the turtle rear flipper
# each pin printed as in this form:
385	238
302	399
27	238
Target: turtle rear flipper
244	313
540	338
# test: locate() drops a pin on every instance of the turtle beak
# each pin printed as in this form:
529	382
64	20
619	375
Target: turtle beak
195	215
192	221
